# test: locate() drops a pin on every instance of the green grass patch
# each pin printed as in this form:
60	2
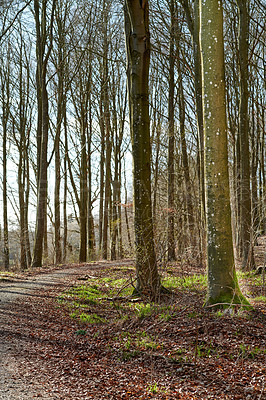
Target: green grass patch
250	277
191	282
81	295
143	310
87	318
137	342
246	351
260	298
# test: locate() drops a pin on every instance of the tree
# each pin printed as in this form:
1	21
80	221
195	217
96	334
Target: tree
245	194
5	110
171	138
43	36
138	59
108	135
60	21
21	135
222	281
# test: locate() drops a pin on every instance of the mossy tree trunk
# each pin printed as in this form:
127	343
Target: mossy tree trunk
223	287
138	57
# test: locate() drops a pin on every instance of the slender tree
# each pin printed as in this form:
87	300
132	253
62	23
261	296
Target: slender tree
245	193
44	40
5	105
171	137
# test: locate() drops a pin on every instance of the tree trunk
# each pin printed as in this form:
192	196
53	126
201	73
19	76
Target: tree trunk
185	162
108	140
138	58
22	147
245	194
222	281
171	140
102	164
91	235
57	218
194	25
43	127
83	190
65	185
5	114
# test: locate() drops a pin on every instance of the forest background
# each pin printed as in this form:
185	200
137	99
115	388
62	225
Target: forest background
66	177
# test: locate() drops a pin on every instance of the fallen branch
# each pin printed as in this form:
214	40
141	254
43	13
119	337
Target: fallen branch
135	300
227	304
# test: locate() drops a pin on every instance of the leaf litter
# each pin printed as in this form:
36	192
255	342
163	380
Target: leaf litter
88	339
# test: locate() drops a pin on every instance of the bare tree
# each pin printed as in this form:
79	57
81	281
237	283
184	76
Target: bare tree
138	57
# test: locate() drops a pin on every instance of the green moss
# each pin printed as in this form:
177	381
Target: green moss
228	299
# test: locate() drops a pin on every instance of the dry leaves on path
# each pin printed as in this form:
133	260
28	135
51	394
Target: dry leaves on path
192	353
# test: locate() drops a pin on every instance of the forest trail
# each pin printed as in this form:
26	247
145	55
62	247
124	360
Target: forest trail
12	291
45	354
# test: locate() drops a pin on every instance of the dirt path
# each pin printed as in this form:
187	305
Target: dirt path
11	292
47	355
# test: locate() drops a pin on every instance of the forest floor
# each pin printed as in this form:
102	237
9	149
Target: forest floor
76	333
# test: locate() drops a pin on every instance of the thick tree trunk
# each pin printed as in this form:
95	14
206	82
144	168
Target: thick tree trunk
222	281
138	57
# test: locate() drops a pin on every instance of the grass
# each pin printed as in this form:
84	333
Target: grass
255	280
246	351
88	318
193	282
108	297
135	343
260	298
8	276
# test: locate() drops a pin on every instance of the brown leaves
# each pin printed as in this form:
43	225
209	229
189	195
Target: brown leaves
148	358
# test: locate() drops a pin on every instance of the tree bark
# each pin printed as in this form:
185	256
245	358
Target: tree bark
171	140
43	126
138	58
245	193
5	116
222	281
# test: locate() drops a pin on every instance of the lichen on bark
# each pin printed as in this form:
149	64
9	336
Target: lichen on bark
223	288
